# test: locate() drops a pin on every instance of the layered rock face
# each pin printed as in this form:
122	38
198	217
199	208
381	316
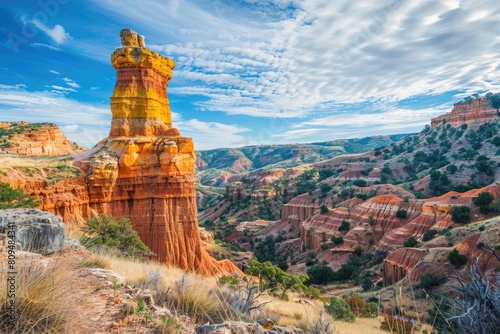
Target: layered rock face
145	169
35	230
468	112
35	139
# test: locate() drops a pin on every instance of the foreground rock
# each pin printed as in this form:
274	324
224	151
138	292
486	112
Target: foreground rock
34	230
259	327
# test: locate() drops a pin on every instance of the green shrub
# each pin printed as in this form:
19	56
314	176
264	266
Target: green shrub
320	274
358	250
451	168
360	183
275	280
456	258
460	214
323	209
325	187
429	280
401	214
344	226
411	242
340	310
105	232
428	235
283	265
371	310
337	240
366	284
483	201
16	198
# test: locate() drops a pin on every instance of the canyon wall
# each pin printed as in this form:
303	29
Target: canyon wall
35	139
468	112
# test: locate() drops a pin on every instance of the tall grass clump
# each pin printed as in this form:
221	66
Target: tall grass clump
201	301
41	298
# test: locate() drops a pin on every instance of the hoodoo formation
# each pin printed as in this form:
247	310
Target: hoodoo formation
145	169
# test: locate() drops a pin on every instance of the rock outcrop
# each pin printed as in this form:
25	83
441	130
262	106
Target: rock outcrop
35	139
397	265
145	169
468	112
259	327
34	230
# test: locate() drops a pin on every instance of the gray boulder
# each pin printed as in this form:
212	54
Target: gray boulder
36	231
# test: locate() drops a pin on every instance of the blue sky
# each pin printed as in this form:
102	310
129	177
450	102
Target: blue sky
253	71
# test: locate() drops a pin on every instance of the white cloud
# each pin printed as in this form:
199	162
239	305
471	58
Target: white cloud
70	128
54	72
207	135
304	55
70	82
63	89
18	104
44	46
362	124
57	34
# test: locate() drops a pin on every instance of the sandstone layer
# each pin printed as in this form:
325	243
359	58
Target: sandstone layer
468	112
35	139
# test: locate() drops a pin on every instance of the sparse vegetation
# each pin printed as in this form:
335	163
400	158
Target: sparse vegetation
344	226
41	298
411	242
460	214
339	310
456	258
16	198
105	232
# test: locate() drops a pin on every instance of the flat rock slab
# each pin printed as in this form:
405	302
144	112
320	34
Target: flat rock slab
36	231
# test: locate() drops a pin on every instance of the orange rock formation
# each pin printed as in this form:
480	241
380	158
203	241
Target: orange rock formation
467	112
145	169
37	139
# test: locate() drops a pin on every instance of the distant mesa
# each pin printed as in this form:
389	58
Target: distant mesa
35	139
466	112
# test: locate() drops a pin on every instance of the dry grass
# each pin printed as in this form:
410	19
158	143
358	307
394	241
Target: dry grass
202	299
183	293
12	160
41	298
139	273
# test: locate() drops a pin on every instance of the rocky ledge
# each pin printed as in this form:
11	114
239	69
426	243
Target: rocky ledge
33	230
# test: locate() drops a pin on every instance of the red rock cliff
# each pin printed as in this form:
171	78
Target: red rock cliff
35	139
468	112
